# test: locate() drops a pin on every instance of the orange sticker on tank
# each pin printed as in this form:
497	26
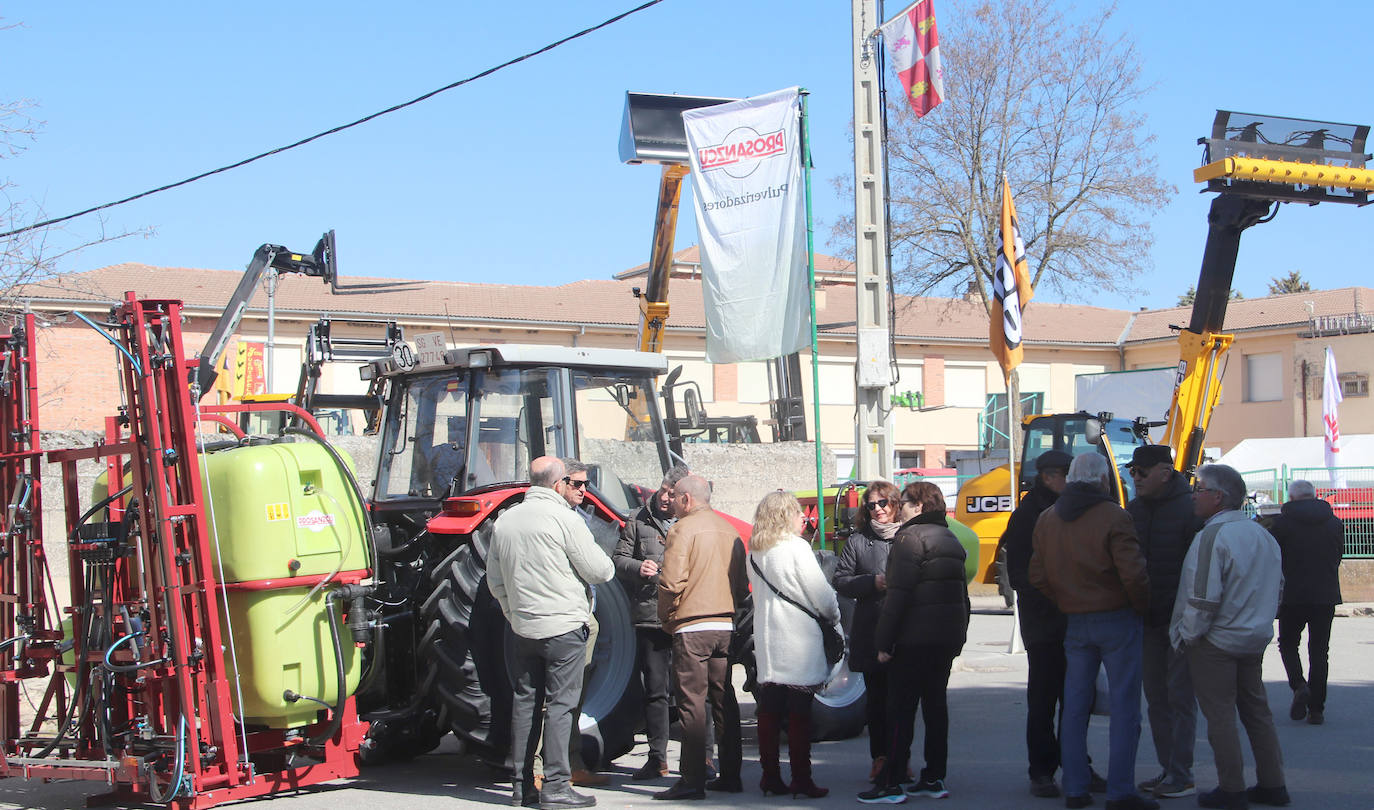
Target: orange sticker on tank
278	511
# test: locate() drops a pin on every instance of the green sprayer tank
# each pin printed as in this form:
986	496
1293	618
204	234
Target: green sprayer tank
283	514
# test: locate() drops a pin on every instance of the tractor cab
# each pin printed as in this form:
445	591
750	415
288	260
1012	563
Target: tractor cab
477	419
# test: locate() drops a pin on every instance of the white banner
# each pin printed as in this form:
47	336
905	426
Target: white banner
1331	398
751	220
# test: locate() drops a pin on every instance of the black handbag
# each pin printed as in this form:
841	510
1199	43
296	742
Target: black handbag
831	637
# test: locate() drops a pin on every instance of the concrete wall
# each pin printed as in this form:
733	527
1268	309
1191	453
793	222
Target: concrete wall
1357	580
740	475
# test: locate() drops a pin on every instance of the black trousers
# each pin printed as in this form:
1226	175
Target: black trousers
1044	706
875	685
1317	620
918	675
655	657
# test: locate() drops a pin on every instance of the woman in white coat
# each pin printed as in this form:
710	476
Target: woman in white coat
787	642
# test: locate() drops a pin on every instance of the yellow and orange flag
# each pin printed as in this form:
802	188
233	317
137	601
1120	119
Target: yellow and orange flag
1011	287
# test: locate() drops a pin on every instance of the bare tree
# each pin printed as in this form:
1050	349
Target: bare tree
1052	103
1291	283
32	255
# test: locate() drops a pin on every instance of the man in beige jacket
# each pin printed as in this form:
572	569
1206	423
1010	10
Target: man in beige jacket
701	582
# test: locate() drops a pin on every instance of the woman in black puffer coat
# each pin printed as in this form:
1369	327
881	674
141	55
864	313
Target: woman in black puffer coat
861	574
922	628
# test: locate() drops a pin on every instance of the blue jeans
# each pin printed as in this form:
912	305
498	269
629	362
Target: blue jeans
1111	638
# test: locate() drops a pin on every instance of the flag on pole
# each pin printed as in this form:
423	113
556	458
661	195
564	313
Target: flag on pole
1011	287
1331	398
913	47
751	219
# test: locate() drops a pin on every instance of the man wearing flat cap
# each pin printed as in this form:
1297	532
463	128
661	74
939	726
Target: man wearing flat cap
1042	625
1165	523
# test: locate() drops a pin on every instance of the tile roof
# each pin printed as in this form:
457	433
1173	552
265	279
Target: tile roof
1273	311
831	265
609	303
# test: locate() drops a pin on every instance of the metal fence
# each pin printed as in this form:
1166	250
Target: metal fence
1349	490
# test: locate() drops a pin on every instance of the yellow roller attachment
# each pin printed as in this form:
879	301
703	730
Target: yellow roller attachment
1285	172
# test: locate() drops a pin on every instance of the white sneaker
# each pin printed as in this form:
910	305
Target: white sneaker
1174	790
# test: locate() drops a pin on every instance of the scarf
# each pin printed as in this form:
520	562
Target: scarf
884	530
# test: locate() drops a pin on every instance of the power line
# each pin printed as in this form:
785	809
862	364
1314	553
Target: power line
489	71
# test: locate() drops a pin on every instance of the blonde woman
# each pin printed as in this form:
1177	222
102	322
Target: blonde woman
787	641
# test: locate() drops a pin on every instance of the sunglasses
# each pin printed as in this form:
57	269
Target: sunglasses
881	503
575	484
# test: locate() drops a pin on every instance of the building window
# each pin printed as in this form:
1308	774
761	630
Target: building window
910	458
1354	384
966	387
1264	377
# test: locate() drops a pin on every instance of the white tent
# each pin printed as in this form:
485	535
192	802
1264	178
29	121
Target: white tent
1300	452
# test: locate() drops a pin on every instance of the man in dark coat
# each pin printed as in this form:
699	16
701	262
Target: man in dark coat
1042	625
637	558
1165	524
1312	541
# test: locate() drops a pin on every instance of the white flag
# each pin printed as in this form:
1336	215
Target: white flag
751	220
1331	398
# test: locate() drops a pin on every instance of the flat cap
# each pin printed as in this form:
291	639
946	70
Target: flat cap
1148	455
1053	460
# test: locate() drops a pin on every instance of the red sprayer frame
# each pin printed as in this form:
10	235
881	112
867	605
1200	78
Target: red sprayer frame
144	697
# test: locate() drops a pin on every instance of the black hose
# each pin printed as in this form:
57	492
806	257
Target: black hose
81	521
336	714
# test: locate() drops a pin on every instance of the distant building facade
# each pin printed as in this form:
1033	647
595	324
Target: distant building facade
946	376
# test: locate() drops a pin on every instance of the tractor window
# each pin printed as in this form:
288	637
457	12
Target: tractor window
425	439
516	413
619	434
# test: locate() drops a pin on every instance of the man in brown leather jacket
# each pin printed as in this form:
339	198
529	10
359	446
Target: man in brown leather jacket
1087	560
701	582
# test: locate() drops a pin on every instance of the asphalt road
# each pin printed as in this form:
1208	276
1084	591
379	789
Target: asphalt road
1329	766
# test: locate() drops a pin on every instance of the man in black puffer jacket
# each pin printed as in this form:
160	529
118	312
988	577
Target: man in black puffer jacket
1042	625
637	558
1312	541
1165	523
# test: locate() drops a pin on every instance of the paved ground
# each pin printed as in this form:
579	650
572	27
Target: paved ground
1330	766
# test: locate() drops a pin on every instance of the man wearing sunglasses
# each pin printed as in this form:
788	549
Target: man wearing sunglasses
1223	621
1164	521
573	488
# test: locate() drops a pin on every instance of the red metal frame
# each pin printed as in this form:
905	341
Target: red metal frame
249	407
25	619
462	514
163	574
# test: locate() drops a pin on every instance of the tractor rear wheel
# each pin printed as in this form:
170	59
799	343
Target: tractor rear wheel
467	643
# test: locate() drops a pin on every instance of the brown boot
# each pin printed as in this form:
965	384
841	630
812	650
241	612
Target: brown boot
769	732
799	755
585	778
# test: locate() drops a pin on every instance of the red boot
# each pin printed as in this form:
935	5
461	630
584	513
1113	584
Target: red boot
769	731
799	754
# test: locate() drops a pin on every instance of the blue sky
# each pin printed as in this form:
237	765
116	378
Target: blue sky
516	178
